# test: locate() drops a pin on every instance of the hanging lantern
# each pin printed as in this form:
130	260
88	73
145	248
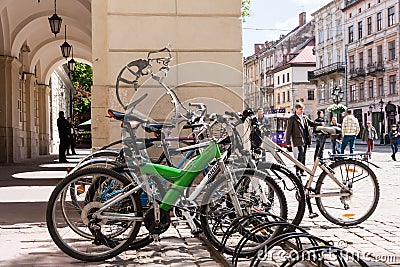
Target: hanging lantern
55	22
66	47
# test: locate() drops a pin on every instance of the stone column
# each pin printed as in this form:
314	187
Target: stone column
10	140
100	88
44	118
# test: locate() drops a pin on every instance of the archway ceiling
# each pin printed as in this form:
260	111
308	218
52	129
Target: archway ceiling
28	22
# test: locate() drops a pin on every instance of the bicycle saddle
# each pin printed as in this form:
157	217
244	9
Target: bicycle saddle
329	130
116	114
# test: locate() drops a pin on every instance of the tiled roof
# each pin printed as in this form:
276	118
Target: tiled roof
305	55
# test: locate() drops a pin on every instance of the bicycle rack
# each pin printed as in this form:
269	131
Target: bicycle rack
297	244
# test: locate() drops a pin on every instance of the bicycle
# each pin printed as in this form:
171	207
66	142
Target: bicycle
115	220
336	188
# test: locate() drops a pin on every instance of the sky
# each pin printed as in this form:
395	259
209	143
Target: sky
280	17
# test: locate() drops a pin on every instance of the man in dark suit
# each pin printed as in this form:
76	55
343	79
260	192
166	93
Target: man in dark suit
298	135
63	131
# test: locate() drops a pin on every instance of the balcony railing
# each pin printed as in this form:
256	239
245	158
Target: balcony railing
375	68
335	67
357	73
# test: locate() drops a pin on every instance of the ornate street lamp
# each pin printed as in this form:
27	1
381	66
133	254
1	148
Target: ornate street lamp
382	120
337	94
66	47
55	21
72	62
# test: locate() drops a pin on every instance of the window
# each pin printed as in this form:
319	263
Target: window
322	93
392	84
311	94
351	36
361	60
361	91
283	78
369	25
360	30
379	54
352	93
392	50
279	98
288	96
339	55
339	26
321	61
329	58
283	97
379	21
371	89
330	30
278	80
380	87
287	77
390	16
352	63
20	99
369	57
320	35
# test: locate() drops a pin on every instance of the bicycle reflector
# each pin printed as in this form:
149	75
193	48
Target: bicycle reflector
351	170
80	189
348	215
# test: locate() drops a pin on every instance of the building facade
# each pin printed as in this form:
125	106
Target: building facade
372	44
274	79
329	75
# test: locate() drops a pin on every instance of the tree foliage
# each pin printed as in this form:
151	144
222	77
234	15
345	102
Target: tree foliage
245	8
82	78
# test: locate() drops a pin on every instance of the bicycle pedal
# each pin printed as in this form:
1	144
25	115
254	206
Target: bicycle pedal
196	232
313	215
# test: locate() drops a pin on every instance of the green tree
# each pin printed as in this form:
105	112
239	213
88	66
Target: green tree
245	8
82	78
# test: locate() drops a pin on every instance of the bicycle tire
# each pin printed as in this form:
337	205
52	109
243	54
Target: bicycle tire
62	234
291	186
359	171
230	215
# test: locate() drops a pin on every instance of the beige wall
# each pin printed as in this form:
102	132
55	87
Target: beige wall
124	30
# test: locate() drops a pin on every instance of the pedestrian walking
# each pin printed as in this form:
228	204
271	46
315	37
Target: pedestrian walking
298	135
63	127
335	139
350	129
71	137
394	135
319	137
369	134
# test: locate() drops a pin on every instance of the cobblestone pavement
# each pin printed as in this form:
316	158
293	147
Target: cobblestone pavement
377	240
24	240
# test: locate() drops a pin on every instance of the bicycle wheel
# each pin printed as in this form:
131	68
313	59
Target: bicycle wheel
363	198
256	192
104	238
291	186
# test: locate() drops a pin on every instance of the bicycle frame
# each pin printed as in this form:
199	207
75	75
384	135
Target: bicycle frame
273	148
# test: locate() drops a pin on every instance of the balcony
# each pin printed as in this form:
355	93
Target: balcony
375	68
350	2
357	73
337	67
